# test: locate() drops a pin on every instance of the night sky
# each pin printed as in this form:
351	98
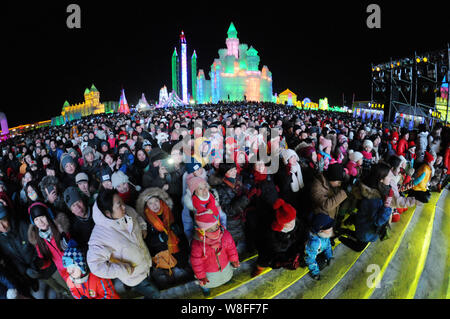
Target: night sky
315	49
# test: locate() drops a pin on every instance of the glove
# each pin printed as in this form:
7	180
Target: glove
410	172
203	281
388	200
235	264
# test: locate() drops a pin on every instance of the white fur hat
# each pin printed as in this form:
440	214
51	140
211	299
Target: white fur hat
286	154
118	178
367	143
355	156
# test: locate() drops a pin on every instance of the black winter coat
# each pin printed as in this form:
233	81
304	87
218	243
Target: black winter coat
232	205
14	245
81	229
278	247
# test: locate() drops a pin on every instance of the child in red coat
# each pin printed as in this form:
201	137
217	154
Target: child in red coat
82	283
213	253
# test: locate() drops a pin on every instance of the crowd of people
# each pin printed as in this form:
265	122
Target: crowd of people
153	200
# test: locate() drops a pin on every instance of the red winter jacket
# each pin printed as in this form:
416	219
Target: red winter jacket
210	261
402	147
93	288
56	257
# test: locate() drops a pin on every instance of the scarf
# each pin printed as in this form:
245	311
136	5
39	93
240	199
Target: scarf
162	221
47	235
81	280
214	240
296	177
258	177
125	196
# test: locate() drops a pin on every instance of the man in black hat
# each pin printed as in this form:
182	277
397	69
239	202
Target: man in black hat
81	221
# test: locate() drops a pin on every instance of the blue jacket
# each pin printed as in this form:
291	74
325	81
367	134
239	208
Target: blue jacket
314	247
371	214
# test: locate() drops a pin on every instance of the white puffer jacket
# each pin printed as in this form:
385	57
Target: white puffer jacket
113	243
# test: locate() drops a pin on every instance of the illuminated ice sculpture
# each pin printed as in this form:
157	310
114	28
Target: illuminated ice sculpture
235	75
4	126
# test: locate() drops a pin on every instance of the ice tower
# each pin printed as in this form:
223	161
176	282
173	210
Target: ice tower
180	69
235	75
123	108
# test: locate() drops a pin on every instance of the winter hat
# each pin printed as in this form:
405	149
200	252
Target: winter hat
324	143
81	177
342	139
320	222
72	150
286	154
3	211
39	209
285	213
205	221
355	156
307	151
335	172
118	178
194	182
66	159
104	175
192	166
367	143
411	145
87	150
74	256
225	167
71	196
157	154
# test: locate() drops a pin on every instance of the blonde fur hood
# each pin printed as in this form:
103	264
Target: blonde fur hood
152	192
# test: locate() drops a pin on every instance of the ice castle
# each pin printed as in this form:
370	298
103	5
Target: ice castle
235	75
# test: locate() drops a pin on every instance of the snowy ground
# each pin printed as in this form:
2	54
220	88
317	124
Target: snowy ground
434	272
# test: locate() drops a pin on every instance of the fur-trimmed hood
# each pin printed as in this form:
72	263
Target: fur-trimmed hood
152	192
369	193
62	222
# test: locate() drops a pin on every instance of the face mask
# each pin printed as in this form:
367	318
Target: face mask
32	195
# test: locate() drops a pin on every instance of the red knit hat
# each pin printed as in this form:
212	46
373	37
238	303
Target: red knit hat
285	213
411	144
205	221
428	157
